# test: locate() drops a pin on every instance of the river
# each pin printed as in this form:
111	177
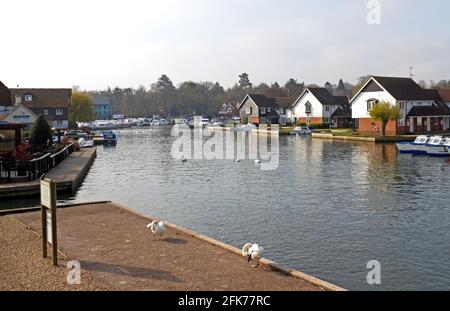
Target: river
329	209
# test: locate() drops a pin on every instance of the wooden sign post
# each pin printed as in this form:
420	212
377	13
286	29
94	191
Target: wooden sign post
48	213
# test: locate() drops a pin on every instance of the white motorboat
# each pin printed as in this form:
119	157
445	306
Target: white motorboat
438	147
301	130
414	147
85	141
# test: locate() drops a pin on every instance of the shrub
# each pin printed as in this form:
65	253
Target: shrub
41	134
244	120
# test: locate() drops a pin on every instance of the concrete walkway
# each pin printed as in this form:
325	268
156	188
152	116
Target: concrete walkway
68	175
114	245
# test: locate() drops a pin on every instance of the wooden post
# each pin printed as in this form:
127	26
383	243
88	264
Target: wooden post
44	231
48	201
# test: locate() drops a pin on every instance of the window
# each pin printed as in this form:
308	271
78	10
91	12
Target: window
401	122
308	109
18	100
327	120
59	112
263	110
269	109
46	112
28	98
327	108
371	104
401	105
249	110
419	121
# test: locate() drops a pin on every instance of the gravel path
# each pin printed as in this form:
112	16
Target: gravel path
114	246
23	268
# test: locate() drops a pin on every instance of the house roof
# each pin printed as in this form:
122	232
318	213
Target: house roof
284	102
445	95
426	111
48	98
342	112
405	88
260	100
325	97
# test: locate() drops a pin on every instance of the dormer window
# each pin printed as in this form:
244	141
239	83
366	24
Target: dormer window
308	107
28	98
263	110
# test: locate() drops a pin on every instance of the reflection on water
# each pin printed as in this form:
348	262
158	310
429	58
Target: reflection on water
327	210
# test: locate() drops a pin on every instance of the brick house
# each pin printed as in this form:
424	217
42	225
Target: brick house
53	104
259	109
318	106
422	110
5	96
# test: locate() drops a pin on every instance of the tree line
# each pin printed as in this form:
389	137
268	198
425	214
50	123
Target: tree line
206	98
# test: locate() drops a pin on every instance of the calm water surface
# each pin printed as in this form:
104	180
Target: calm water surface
329	208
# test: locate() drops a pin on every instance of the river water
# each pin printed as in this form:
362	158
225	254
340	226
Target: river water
329	209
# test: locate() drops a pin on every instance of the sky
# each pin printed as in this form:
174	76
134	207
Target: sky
95	44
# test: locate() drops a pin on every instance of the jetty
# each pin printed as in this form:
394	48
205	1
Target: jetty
68	175
117	252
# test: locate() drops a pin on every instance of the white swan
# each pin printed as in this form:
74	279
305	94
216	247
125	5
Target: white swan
238	160
253	252
257	161
157	227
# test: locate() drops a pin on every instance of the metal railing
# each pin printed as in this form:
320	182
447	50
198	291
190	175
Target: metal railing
11	170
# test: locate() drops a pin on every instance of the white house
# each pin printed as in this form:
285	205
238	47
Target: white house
319	106
421	109
19	114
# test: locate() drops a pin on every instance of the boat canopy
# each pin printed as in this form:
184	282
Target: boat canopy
421	140
436	140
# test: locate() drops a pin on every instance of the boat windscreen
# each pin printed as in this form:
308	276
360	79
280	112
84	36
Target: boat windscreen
421	140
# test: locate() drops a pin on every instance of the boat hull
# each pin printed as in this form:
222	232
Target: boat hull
438	151
419	149
405	147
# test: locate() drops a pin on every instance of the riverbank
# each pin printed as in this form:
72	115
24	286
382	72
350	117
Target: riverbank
386	139
68	175
113	244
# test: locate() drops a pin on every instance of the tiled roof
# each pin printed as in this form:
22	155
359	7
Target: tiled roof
285	102
48	98
405	89
263	101
324	96
429	111
342	112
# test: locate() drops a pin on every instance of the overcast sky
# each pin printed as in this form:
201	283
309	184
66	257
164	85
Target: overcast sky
95	44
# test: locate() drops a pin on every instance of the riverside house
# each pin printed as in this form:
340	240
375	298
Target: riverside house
422	110
318	106
102	107
258	109
53	104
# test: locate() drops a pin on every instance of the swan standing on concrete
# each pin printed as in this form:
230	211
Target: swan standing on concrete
238	160
257	161
253	252
157	227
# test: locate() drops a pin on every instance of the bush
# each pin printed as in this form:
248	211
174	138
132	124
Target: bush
319	126
41	134
244	120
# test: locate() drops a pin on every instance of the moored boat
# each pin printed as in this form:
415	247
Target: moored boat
110	137
438	147
413	147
